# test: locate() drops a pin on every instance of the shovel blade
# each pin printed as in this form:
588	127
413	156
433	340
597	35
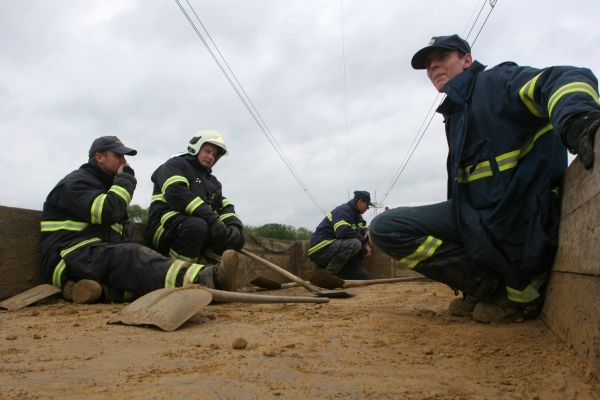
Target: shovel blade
326	279
30	296
167	308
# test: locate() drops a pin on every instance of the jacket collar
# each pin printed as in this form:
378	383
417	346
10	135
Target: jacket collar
458	90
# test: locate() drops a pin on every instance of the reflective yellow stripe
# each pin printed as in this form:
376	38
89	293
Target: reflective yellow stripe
329	216
67	225
178	256
338	224
226	202
172	180
171	276
320	245
191	273
127	296
573	87
58	273
527	93
505	161
223	217
117	228
61	266
192	205
526	295
159	197
121	192
96	210
161	228
423	252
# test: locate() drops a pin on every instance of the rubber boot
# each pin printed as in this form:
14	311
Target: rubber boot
85	291
462	307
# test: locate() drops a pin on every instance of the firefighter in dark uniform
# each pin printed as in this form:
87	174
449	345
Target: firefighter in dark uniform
84	233
341	241
189	217
495	237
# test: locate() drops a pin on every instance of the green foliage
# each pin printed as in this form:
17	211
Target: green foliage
137	213
278	231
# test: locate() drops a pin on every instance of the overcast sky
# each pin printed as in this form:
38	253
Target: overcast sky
71	71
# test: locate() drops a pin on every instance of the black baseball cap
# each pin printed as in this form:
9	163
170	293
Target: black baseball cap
112	143
452	42
363	195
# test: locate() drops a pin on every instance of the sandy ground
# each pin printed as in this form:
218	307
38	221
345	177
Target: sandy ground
392	341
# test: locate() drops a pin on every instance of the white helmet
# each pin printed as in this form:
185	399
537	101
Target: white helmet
206	136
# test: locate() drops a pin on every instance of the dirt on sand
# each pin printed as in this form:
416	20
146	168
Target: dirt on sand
391	341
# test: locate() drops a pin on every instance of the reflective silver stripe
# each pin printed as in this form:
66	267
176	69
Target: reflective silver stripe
171	276
178	256
223	217
121	192
161	228
504	161
320	245
159	197
58	273
527	94
117	228
172	180
338	224
423	252
573	87
96	210
192	205
191	273
67	225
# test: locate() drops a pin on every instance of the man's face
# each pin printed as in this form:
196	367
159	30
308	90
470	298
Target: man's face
362	206
208	155
443	65
110	162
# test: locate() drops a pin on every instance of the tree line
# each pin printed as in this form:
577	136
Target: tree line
272	231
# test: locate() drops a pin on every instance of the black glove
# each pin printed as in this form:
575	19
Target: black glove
217	230
235	238
580	136
128	230
128	170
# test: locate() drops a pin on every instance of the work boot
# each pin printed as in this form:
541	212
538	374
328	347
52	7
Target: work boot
85	291
226	273
462	307
491	313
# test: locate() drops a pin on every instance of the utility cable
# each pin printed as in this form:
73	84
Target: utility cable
246	101
419	136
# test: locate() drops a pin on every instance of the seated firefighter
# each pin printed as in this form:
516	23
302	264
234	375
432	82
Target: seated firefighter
341	240
189	218
84	232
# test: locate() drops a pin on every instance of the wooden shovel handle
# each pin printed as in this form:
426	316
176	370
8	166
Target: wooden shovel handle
282	271
222	296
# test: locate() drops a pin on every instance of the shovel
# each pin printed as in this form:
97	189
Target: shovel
30	296
324	278
318	291
169	308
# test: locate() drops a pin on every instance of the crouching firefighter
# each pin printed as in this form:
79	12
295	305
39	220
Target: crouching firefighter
85	231
189	217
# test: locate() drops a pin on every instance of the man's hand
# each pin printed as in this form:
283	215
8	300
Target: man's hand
235	238
367	250
125	168
218	230
580	137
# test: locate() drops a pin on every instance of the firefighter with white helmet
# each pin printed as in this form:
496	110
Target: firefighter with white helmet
189	217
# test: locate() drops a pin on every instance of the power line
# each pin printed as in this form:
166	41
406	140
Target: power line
243	96
419	136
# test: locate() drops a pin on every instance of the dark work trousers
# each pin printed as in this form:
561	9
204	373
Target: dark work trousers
343	258
426	239
127	267
187	238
